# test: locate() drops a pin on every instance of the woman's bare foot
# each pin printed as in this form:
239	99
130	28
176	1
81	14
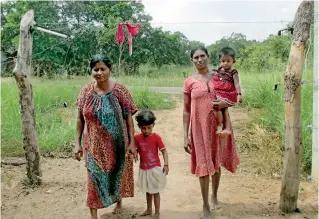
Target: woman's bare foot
157	216
206	213
118	208
215	203
146	213
93	212
219	129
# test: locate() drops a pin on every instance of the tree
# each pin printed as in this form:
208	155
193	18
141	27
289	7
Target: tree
237	41
94	24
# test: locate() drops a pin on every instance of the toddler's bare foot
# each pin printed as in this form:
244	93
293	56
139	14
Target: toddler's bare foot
93	217
226	132
157	216
215	203
146	213
118	208
219	129
206	213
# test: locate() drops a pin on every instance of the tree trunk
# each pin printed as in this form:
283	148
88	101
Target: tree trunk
22	72
292	94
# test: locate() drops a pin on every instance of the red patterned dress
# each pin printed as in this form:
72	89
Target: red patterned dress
110	172
209	150
224	85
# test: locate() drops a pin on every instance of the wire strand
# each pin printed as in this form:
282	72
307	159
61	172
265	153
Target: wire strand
188	22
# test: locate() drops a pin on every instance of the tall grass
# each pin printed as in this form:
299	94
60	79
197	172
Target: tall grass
260	94
167	76
55	123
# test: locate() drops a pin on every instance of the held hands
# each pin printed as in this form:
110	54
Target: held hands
165	170
78	152
131	150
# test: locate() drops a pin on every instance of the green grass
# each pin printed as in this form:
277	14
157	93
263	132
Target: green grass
55	123
167	76
260	94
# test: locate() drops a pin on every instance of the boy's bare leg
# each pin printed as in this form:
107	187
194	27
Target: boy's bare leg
148	211
157	203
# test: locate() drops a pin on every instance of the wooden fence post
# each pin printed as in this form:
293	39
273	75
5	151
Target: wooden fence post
292	95
22	72
315	134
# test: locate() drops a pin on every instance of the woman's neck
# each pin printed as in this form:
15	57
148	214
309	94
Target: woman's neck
203	71
103	85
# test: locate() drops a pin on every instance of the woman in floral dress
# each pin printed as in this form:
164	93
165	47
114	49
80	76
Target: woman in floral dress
208	150
105	111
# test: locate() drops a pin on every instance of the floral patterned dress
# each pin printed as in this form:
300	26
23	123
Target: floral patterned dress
110	172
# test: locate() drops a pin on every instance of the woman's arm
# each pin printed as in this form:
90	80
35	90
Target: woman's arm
186	114
186	120
130	128
131	132
79	127
218	105
78	151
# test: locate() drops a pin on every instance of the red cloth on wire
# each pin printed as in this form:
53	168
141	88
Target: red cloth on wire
133	29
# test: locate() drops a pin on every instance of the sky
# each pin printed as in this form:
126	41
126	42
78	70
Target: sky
182	15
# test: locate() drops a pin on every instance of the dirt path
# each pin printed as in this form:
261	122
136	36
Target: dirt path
243	195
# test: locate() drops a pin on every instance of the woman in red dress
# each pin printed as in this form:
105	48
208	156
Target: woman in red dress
208	150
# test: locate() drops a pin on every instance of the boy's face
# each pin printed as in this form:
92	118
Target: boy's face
226	62
146	129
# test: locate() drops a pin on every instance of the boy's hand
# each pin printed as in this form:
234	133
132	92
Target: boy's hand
165	169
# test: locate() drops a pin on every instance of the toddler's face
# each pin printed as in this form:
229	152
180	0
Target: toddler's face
147	129
226	62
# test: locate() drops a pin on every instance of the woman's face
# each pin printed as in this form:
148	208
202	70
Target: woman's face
101	72
200	59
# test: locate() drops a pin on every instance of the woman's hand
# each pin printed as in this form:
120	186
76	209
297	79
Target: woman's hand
218	105
132	150
239	99
78	152
187	145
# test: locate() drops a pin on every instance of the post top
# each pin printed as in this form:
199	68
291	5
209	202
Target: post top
27	19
